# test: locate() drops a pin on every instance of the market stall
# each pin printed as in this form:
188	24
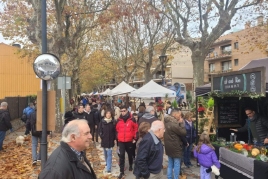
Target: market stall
106	92
152	89
122	88
238	166
232	93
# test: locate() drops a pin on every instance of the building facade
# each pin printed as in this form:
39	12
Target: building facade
233	51
17	77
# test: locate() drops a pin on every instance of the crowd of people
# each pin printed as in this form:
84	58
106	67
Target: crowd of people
141	134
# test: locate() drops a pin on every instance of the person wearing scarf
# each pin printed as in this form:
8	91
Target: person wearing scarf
107	135
256	126
126	134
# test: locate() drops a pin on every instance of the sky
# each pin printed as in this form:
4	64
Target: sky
1	37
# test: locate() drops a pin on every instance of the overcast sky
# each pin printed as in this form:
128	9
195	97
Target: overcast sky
1	37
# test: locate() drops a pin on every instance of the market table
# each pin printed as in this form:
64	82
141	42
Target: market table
238	166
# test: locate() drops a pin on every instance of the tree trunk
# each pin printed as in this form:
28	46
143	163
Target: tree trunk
147	75
198	68
76	82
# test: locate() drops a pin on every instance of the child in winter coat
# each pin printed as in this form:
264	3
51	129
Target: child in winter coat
206	156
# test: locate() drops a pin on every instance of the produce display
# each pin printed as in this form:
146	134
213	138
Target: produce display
238	146
255	152
259	153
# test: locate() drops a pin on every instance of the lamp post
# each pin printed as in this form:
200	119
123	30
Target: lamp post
47	67
163	59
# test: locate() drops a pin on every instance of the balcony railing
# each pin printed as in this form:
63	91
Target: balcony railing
218	72
215	56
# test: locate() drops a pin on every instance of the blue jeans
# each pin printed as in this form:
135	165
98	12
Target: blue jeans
35	155
173	164
2	137
187	155
108	157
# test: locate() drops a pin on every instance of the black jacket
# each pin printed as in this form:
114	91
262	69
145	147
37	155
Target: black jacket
107	133
64	164
5	120
90	118
261	127
147	117
78	115
97	116
31	125
149	157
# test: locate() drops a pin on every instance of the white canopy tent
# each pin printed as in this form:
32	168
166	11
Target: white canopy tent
97	93
122	88
152	89
106	92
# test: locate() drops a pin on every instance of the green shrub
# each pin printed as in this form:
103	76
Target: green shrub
210	103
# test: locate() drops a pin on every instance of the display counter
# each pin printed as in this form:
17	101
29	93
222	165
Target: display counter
235	165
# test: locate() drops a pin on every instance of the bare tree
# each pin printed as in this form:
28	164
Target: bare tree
199	23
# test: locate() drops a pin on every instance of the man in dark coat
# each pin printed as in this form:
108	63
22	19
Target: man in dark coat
149	158
256	126
148	116
80	114
97	118
90	117
68	161
4	122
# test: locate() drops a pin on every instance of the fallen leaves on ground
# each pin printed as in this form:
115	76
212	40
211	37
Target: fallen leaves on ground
16	161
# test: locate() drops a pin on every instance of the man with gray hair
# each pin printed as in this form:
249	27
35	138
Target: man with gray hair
148	116
149	160
4	123
69	160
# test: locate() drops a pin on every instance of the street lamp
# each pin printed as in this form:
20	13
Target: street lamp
163	59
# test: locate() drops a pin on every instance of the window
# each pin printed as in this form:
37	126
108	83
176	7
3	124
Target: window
226	50
236	45
211	67
226	66
211	50
183	88
211	53
235	62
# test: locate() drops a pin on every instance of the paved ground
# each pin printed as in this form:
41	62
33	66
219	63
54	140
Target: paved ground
17	160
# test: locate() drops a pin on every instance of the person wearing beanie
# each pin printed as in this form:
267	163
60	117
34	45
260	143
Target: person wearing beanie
68	116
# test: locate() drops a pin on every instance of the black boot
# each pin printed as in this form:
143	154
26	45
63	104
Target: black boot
121	175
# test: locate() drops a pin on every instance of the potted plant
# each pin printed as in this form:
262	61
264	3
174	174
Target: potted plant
210	104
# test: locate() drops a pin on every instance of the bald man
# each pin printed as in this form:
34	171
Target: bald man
5	124
149	158
68	161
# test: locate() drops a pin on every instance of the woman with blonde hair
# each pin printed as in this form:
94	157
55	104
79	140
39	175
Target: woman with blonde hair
205	153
